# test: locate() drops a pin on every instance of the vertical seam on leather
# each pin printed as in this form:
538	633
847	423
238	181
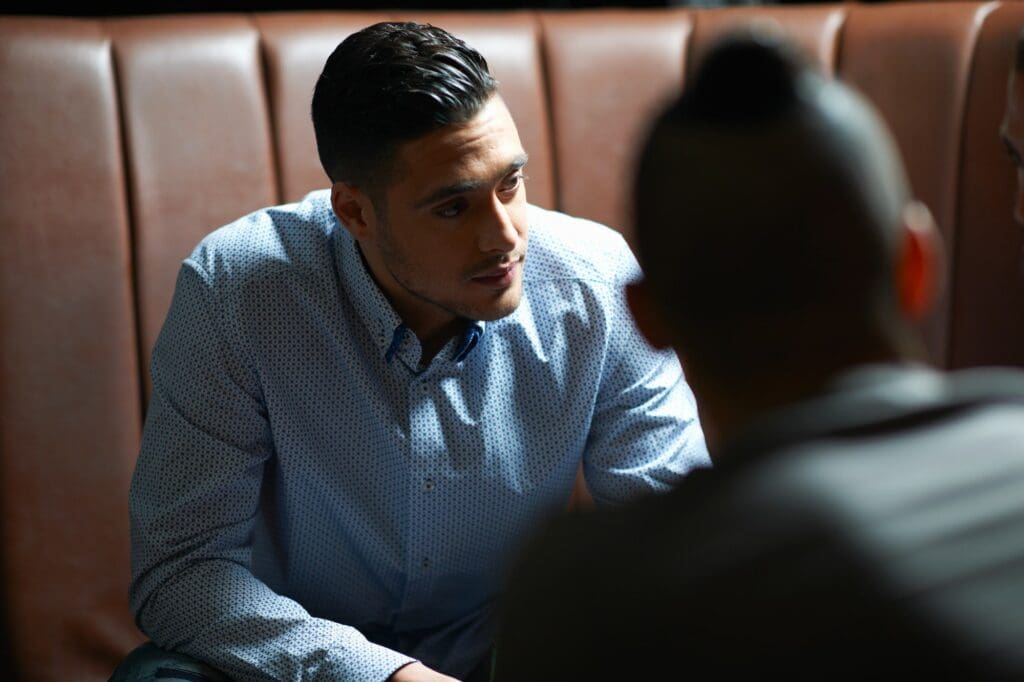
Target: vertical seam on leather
124	140
549	104
981	15
273	140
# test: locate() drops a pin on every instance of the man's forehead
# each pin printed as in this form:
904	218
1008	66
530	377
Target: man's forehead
489	138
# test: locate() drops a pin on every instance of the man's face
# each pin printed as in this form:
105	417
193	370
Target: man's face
1013	137
447	238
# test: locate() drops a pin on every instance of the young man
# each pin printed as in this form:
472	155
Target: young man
864	519
363	402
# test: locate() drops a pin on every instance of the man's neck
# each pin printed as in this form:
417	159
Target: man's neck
434	339
432	325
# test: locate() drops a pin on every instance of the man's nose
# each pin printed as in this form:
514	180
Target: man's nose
499	233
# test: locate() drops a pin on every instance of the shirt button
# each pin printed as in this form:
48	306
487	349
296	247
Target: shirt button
428	484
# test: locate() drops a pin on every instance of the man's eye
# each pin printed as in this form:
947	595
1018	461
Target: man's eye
512	183
452	209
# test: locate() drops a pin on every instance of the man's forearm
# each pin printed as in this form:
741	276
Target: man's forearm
218	612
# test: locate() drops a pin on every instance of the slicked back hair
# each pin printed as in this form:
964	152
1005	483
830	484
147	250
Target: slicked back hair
388	84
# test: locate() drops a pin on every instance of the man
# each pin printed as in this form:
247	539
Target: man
865	516
1012	130
363	402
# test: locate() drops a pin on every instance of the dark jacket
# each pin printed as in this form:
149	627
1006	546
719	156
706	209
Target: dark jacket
875	532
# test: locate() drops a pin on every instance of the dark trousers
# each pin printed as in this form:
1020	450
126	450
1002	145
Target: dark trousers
149	662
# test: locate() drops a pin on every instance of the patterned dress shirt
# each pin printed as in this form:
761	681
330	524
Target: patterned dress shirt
311	503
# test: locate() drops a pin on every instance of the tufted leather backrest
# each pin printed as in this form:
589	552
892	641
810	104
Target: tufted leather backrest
198	150
124	141
986	313
69	380
915	68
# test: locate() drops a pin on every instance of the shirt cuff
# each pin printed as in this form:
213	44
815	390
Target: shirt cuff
377	664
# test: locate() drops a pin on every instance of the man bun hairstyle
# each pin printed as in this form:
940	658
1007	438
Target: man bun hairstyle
388	84
746	80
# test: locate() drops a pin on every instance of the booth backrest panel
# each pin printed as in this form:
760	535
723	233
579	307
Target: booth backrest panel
987	274
815	30
197	139
69	380
608	72
914	66
124	141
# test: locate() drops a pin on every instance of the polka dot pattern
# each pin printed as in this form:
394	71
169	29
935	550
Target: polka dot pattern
305	507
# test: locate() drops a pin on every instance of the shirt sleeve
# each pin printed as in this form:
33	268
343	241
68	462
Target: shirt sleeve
194	502
645	434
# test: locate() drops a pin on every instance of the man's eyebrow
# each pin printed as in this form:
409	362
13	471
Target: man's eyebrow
456	188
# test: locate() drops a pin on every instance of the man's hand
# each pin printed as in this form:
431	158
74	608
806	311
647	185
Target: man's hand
417	672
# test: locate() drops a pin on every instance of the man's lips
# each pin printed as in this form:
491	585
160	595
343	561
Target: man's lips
501	276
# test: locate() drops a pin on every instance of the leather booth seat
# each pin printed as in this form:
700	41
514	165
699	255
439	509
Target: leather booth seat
123	141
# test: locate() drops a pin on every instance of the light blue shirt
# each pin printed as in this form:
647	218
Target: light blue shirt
309	503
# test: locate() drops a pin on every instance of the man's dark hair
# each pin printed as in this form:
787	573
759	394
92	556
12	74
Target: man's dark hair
388	84
767	201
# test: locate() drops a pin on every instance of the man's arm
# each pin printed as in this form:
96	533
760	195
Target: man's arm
645	434
194	502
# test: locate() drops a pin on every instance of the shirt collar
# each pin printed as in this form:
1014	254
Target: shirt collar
374	309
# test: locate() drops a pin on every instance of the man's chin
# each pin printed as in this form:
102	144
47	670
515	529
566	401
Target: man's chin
501	306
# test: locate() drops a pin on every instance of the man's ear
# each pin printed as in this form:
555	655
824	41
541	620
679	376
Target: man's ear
648	316
919	267
354	209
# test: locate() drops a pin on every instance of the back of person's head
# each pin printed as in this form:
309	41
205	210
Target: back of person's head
771	211
390	83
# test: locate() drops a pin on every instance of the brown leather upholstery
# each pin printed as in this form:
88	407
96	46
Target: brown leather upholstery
987	315
814	30
914	65
69	380
197	139
608	71
123	141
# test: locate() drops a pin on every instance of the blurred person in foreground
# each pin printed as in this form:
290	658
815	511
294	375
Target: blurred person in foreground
865	515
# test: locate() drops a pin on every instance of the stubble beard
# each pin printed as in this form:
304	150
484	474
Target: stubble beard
404	273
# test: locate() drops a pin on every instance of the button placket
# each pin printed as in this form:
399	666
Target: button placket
424	429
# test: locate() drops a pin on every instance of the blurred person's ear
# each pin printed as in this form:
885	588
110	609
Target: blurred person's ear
647	314
919	265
